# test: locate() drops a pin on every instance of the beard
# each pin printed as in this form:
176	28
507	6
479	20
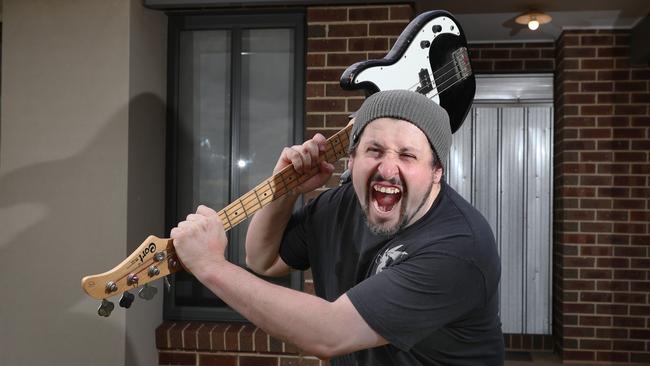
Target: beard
386	229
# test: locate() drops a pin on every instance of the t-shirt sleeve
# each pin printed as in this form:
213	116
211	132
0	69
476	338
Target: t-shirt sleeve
408	301
293	248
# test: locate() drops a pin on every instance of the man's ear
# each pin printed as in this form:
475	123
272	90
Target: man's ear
350	162
437	174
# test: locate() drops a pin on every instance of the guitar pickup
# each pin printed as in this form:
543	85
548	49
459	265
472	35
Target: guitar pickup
461	63
425	82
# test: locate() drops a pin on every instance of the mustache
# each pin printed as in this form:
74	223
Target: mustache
377	177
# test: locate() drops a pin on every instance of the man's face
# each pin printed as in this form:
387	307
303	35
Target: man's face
393	175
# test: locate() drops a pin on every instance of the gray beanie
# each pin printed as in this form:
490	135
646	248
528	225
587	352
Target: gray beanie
409	106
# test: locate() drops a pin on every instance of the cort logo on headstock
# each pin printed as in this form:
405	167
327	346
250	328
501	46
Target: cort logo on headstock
148	250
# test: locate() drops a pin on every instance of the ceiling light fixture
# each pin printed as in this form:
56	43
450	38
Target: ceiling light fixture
533	19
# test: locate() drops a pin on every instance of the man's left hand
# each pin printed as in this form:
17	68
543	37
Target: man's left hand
200	241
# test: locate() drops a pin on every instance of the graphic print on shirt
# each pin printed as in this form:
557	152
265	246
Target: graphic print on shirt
389	257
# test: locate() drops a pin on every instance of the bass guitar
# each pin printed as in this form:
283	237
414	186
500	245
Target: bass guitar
429	57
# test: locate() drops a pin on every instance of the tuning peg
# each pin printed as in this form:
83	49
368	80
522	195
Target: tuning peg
105	308
147	292
126	300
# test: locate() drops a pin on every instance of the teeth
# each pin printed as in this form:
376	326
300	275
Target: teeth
387	190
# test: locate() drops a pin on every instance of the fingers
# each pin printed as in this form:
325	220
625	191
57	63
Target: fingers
205	211
304	157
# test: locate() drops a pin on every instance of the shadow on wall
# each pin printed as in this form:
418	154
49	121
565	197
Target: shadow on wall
61	220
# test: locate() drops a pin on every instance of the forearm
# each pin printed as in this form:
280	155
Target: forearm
265	234
314	325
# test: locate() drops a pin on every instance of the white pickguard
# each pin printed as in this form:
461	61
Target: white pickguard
404	73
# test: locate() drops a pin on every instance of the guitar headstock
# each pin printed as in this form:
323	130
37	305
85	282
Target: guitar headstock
153	259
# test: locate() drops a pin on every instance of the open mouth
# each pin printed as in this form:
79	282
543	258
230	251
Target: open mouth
384	198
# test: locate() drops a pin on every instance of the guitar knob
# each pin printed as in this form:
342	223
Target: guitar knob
147	292
425	44
126	300
105	308
437	28
132	279
111	287
153	271
159	256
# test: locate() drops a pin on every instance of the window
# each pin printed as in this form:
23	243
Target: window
236	98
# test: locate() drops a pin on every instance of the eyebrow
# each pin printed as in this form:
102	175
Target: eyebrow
407	149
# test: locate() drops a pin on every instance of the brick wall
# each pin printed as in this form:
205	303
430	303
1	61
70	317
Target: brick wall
512	57
601	255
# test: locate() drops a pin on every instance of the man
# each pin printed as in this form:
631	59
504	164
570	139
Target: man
405	270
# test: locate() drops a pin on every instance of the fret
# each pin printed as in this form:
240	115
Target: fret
251	202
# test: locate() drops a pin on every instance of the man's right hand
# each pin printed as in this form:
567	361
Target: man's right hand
303	158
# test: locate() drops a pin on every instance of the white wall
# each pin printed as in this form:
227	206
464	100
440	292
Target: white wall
71	96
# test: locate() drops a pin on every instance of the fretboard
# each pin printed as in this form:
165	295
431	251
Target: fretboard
281	183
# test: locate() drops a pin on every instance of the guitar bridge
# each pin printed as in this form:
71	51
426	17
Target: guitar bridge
425	82
461	63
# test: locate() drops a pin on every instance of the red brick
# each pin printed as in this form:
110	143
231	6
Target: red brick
628	204
596	250
612	285
613	192
331	75
315	15
595	273
258	361
595	297
613	52
368	44
613	263
217	360
595	203
579	285
580	52
641	74
613	75
596	40
596	344
369	13
386	29
600	109
578	262
176	335
203	336
327	45
629	322
315	90
578	356
162	339
232	337
612	356
298	361
612	216
316	31
613	121
630	86
595	180
612	333
633	109
190	336
614	309
643	310
599	86
629	274
401	12
613	98
595	133
217	337
629	345
613	145
176	358
326	105
630	251
590	64
607	168
344	59
629	180
315	60
495	54
581	98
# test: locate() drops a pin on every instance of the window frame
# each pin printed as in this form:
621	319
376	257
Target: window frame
235	22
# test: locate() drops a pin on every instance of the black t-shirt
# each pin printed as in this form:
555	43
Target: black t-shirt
430	290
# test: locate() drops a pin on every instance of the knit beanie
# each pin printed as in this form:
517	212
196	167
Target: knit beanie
409	106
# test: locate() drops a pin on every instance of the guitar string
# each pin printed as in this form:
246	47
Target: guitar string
434	74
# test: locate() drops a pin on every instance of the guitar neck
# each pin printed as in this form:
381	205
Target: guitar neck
281	183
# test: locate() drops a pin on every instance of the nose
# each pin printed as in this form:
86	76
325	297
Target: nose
388	168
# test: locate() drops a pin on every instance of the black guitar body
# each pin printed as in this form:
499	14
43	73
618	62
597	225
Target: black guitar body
430	57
